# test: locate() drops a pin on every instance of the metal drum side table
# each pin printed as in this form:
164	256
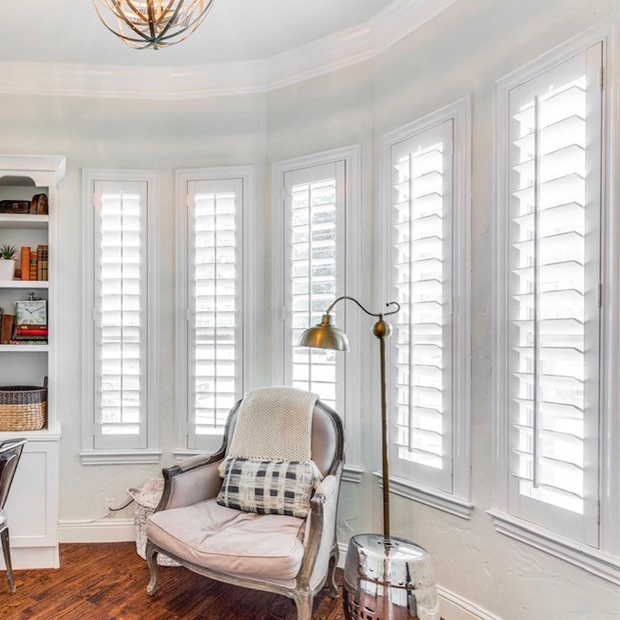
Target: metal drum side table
388	580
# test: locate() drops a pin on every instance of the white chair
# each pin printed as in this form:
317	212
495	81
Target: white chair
280	554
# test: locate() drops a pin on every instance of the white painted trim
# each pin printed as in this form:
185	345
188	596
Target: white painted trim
352	156
33	558
352	473
604	561
425	495
88	453
120	457
336	51
21	164
610	323
452	606
180	454
460	113
250	267
103	531
581	555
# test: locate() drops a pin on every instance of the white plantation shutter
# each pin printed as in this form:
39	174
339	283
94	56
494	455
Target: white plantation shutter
421	214
215	303
554	264
315	254
120	305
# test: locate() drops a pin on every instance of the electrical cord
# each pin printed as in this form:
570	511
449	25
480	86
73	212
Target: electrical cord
107	514
130	501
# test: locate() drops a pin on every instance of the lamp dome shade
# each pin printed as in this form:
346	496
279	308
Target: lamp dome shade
325	335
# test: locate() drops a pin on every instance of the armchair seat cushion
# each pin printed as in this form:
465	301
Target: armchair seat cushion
229	541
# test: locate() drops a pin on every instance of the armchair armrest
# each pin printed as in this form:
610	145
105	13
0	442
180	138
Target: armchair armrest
191	481
328	486
321	530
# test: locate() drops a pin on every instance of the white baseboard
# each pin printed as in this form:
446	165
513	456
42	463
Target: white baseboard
28	558
106	530
455	607
451	605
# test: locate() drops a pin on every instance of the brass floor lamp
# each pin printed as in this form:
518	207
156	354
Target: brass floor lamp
385	577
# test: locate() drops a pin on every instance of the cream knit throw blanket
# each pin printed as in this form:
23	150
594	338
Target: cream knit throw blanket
274	424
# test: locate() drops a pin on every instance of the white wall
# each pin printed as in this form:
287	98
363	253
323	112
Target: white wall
462	51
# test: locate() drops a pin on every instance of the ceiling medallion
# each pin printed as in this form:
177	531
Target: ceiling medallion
152	23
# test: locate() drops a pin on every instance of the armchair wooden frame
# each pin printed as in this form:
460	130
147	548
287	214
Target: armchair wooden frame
302	593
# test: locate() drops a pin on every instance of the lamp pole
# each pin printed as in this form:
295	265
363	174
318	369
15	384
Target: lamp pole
327	336
382	330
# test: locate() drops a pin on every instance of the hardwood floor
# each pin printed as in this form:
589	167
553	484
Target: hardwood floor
108	582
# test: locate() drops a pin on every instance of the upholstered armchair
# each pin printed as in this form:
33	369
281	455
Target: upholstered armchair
280	554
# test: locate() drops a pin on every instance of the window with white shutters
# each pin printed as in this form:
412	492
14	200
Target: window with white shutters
214	297
315	242
215	301
421	224
426	222
552	304
317	213
120	318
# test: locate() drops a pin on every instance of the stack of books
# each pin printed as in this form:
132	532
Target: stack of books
21	334
29	334
34	264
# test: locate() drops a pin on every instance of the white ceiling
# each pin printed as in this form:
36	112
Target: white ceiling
69	31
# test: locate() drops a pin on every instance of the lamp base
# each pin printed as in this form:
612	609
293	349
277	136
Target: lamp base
388	580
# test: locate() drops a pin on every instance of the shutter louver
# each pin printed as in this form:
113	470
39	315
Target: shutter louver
554	270
315	263
215	302
120	329
421	346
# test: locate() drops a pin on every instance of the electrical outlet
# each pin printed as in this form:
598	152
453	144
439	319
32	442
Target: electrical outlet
109	505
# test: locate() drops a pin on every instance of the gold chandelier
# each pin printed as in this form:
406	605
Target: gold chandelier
152	23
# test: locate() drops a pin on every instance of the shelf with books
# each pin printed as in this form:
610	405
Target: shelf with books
24	348
24	284
24	221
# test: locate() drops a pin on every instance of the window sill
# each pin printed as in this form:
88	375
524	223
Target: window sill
120	457
352	473
583	556
431	497
182	453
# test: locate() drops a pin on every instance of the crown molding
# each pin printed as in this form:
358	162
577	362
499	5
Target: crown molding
337	51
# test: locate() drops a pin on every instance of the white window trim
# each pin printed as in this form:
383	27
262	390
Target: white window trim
605	561
457	502
352	156
151	454
250	262
426	495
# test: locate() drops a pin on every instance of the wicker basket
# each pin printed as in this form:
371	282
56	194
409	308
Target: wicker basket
23	408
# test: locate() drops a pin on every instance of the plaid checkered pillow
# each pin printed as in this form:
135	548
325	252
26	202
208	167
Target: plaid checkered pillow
267	487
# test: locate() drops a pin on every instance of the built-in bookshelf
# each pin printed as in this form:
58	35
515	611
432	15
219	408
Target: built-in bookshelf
34	495
23	222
